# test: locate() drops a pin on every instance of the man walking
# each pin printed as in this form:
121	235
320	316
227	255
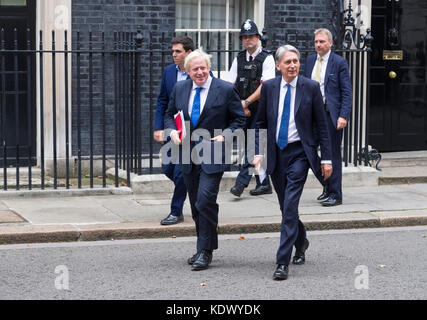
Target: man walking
181	48
290	107
211	105
331	71
249	69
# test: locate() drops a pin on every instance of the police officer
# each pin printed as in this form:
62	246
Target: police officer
249	69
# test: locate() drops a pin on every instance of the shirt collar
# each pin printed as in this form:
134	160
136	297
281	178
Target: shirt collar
179	70
293	83
257	51
206	85
325	57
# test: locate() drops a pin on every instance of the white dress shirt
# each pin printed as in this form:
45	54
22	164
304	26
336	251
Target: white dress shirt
268	67
325	59
203	95
293	132
181	76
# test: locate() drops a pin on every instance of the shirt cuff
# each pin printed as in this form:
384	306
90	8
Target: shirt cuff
326	162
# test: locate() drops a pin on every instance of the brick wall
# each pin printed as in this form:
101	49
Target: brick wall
294	21
149	16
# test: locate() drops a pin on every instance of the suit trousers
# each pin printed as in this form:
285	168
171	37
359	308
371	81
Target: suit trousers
334	183
203	191
288	179
244	177
173	172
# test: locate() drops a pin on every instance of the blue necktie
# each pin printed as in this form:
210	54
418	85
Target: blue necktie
195	112
282	140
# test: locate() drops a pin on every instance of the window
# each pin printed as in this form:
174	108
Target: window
214	24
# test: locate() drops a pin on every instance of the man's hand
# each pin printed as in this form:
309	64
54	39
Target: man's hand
175	137
246	109
326	171
218	139
342	123
257	162
159	136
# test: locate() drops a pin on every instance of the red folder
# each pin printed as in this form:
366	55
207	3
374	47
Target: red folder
180	124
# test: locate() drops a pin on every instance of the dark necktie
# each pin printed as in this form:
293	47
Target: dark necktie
195	112
251	58
282	140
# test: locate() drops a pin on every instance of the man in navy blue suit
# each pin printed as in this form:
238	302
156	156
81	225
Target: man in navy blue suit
213	108
181	48
291	109
331	71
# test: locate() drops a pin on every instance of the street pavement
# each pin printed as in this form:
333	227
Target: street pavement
105	214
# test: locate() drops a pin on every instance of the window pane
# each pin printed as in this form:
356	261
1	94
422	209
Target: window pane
214	14
186	14
13	2
240	11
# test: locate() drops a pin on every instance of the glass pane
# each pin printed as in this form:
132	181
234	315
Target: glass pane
214	14
13	2
240	11
186	14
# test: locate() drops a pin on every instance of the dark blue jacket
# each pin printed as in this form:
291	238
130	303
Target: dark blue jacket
338	92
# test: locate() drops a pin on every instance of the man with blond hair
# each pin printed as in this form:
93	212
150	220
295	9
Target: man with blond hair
331	72
210	105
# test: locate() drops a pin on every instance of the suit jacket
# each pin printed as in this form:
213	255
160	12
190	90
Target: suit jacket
338	91
222	110
309	116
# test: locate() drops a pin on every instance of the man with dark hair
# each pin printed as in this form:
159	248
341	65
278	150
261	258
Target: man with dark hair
181	47
249	69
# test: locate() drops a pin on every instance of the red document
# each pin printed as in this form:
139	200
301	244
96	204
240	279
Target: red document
180	124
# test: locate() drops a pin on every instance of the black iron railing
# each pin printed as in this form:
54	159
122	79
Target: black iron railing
102	128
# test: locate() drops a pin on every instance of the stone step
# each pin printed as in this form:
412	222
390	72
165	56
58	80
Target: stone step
403	159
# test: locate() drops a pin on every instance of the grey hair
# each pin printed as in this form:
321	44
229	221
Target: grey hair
324	31
283	49
199	53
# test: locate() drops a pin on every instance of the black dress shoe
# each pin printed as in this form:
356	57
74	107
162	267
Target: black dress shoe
203	260
324	195
299	257
237	190
331	202
193	259
281	272
170	220
259	190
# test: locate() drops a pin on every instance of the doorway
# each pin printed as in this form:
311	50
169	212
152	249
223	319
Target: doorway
17	83
398	106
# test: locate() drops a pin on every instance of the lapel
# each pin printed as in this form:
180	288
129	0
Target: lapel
185	97
310	65
276	98
329	67
299	93
210	100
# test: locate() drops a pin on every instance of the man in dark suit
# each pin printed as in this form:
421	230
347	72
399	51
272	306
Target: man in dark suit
210	105
290	107
331	71
181	47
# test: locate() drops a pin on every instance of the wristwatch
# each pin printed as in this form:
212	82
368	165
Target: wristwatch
247	102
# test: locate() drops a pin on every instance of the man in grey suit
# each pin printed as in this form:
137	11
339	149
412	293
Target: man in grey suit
211	105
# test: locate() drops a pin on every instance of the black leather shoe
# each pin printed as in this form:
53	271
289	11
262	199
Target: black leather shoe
299	257
281	272
237	190
193	259
324	195
331	202
203	260
259	190
170	220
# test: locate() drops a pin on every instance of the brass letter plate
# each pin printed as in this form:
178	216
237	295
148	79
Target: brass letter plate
392	54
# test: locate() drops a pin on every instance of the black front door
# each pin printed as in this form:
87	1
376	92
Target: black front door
17	84
398	114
